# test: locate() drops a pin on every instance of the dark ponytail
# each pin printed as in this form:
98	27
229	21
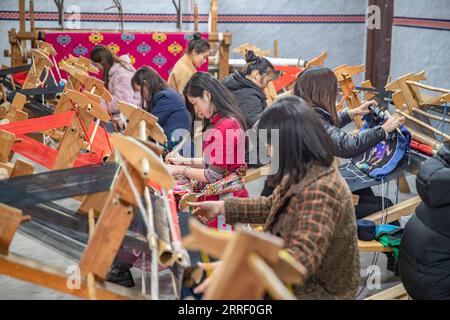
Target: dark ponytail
198	44
257	63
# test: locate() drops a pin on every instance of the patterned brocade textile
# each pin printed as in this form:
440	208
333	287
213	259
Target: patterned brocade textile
159	50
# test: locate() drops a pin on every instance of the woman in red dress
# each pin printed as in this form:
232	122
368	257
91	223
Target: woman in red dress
221	170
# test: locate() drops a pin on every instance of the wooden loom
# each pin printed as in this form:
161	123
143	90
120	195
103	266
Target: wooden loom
410	102
109	231
86	103
120	205
20	167
40	62
289	76
344	76
253	263
135	116
39	273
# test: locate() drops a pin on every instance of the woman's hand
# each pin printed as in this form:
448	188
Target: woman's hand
206	211
393	123
176	159
214	266
175	170
362	109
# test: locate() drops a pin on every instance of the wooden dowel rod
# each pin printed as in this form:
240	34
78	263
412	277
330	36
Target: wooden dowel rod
423	124
90	276
427	87
195	16
431	116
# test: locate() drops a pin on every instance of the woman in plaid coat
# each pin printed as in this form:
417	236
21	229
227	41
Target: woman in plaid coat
311	207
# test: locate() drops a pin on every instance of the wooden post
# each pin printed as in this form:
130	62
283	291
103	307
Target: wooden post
15	52
22	15
213	16
275	48
378	49
195	16
75	136
36	272
41	61
344	75
224	55
252	263
10	220
121	203
15	112
32	26
134	115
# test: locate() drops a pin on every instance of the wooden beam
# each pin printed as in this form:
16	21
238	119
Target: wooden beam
395	212
236	279
224	55
213	16
32	26
10	220
275	48
272	283
257	173
427	87
34	271
195	16
6	143
22	168
372	246
111	228
396	292
22	15
424	125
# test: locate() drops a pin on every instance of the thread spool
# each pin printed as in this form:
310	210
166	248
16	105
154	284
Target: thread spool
145	167
143	130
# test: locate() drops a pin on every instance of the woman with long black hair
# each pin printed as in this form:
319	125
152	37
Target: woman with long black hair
223	128
162	101
311	207
117	73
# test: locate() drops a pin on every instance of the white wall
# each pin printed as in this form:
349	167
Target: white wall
416	49
413	49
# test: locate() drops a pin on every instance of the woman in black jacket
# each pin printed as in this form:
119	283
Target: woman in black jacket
424	260
248	86
319	86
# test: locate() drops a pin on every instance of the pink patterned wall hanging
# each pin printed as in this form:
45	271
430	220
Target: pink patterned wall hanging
160	50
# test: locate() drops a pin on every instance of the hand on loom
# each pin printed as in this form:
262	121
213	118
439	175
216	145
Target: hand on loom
362	109
175	170
206	211
393	123
208	267
177	160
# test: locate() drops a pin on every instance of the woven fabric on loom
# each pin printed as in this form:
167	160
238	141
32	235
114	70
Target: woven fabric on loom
159	50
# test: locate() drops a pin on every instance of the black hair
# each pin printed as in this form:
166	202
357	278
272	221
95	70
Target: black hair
104	56
198	44
147	77
319	87
221	97
303	140
257	63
